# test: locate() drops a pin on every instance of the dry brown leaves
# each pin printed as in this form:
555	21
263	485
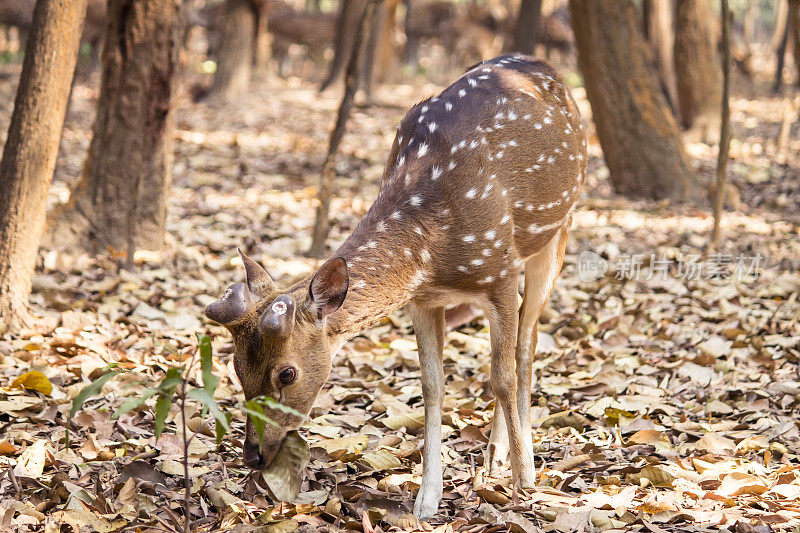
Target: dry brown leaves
660	405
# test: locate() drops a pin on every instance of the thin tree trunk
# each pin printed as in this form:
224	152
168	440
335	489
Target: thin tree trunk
781	53
262	48
660	31
371	48
794	23
412	39
350	13
696	61
385	54
120	202
639	136
725	125
526	31
781	16
29	155
237	43
322	223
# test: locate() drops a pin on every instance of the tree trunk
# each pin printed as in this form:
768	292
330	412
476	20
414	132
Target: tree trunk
794	24
385	54
322	223
780	53
640	139
350	14
29	155
262	47
120	202
236	51
660	32
697	65
725	125
781	16
526	32
412	38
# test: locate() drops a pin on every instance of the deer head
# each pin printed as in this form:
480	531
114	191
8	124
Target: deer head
282	346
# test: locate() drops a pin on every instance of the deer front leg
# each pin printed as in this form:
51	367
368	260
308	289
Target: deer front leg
429	326
503	324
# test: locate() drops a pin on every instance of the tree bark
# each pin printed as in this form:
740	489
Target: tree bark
29	155
120	202
660	32
697	65
526	31
236	51
639	136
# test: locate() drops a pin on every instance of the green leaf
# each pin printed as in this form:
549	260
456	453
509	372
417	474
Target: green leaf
134	402
255	411
92	389
271	403
162	410
171	380
220	429
210	381
205	398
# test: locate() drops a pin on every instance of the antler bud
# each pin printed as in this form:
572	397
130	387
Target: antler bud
234	304
278	319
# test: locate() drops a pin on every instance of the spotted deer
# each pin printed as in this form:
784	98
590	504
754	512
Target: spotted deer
480	184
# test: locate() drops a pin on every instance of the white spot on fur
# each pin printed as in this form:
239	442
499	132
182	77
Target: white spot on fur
469	238
435	173
477	262
415	200
490	234
472	193
423	149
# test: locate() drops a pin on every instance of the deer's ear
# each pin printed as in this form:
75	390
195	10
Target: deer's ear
328	288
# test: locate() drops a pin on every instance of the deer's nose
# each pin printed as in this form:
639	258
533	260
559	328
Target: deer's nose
251	455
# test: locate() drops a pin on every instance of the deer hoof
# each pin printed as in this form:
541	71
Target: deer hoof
496	457
427	503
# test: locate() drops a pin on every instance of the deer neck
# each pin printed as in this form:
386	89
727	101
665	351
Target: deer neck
388	257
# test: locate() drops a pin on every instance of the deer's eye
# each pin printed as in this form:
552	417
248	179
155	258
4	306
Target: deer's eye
287	375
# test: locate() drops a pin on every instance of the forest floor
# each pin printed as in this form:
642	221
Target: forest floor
668	381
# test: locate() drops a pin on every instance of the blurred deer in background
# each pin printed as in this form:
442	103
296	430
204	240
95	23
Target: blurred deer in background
480	184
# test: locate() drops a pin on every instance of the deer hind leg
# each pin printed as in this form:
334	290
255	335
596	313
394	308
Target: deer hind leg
497	450
429	327
503	324
541	272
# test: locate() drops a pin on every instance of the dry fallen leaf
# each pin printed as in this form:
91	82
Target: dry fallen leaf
285	473
34	380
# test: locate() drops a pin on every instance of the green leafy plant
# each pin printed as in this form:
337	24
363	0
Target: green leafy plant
177	387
